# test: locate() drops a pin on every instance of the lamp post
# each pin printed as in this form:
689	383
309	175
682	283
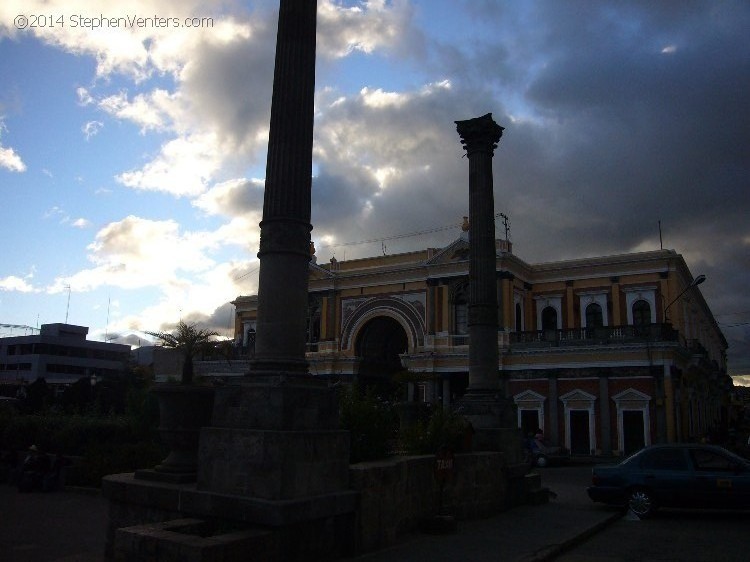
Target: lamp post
697	281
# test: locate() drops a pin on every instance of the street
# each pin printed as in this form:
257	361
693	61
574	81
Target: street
672	535
679	535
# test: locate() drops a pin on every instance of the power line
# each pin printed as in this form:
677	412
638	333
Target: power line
393	237
253	270
400	236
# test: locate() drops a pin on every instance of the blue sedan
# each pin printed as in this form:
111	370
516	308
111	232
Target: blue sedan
680	475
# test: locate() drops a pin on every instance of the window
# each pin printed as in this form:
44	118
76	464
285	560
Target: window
594	317
709	460
519	323
549	319
461	311
641	313
664	459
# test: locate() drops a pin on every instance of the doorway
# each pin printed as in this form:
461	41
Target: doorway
379	345
580	439
633	427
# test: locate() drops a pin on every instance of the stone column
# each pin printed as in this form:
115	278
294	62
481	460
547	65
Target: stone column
285	229
605	424
485	403
554	415
480	137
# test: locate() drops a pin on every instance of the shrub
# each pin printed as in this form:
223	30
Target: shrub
106	444
444	427
371	422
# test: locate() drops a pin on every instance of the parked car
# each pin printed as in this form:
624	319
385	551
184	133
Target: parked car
540	454
678	475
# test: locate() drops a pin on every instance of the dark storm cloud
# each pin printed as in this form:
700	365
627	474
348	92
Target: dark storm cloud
229	86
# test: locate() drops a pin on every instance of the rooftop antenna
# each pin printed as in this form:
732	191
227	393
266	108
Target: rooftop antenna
67	308
661	242
106	327
506	225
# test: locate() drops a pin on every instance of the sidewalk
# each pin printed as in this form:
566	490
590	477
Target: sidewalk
59	526
527	534
70	527
524	534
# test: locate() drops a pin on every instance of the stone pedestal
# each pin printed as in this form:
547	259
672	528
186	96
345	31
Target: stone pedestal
272	458
276	440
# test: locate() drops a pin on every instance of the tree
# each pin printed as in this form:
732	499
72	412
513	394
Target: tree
187	339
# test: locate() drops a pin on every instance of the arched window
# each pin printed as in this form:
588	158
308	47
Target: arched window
641	313
519	318
594	317
549	318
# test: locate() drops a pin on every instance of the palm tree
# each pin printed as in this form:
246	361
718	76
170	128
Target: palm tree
188	339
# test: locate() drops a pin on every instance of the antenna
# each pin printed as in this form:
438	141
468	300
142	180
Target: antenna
67	308
661	242
506	224
106	327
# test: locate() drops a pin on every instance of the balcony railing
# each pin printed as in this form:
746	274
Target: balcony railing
606	335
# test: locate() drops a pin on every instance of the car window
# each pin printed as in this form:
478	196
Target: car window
664	459
709	460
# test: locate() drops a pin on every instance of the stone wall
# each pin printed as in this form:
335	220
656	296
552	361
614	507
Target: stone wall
388	499
399	494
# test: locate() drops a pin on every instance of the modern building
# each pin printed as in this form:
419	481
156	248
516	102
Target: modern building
61	355
605	354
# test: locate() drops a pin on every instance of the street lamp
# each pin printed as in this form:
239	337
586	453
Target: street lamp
697	281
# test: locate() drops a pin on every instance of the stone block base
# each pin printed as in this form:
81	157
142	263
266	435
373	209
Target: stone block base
273	465
309	528
192	540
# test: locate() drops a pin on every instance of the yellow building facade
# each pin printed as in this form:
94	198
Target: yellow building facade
605	354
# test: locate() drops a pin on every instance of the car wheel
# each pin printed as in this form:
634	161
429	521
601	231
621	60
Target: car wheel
641	502
541	461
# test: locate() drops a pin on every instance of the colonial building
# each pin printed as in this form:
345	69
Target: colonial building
60	354
605	354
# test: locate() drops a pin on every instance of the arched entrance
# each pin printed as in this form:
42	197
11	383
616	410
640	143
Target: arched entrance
379	343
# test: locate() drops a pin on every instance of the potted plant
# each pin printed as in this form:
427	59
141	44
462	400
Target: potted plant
184	407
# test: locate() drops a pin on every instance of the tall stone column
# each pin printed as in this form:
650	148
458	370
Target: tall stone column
480	137
285	229
485	404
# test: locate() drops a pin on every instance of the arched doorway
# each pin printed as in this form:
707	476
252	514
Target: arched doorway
379	343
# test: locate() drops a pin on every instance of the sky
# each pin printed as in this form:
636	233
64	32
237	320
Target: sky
133	144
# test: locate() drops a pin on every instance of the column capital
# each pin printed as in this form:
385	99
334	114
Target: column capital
479	134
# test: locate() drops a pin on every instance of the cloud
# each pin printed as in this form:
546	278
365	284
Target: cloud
91	128
81	223
183	167
152	111
136	252
237	197
367	27
8	157
10	160
14	283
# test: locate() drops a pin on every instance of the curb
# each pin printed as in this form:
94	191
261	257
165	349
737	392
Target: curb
84	490
549	553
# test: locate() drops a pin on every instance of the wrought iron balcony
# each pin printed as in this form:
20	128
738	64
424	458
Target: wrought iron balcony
605	335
